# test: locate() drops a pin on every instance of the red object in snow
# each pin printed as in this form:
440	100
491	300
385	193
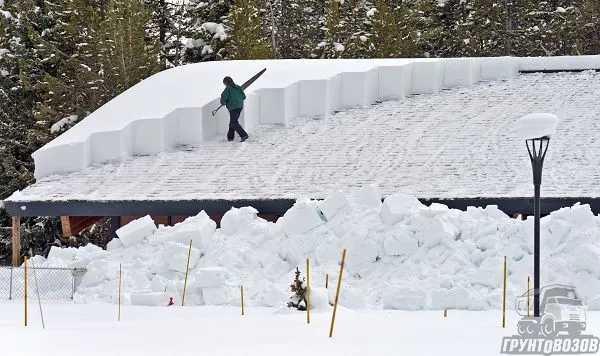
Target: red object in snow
171	301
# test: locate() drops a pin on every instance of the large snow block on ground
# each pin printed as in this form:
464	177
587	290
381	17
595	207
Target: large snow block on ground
136	231
460	72
188	122
236	219
457	298
278	105
398	206
359	88
197	229
368	196
177	255
301	218
427	77
496	68
149	136
333	204
313	98
250	118
210	277
61	159
405	298
395	82
217	296
150	299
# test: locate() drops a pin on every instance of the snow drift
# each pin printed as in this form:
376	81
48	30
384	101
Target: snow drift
400	255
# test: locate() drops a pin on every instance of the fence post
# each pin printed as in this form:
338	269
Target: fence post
10	284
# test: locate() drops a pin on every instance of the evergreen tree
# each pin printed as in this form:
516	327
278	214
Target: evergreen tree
293	26
588	28
168	25
245	35
333	33
205	30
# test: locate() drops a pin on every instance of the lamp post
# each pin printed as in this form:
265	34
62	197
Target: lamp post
537	148
536	129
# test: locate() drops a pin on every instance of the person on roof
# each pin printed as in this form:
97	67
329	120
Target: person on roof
233	98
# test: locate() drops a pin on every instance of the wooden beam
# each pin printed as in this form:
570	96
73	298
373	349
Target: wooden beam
16	241
66	226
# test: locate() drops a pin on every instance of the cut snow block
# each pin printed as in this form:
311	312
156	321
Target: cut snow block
150	299
359	88
61	159
107	146
177	254
236	219
217	296
368	196
114	244
313	97
136	231
149	136
404	298
188	124
333	204
209	277
334	93
559	63
460	72
62	254
398	206
250	118
394	82
427	77
456	298
159	284
278	105
301	217
441	230
197	228
495	68
211	125
400	246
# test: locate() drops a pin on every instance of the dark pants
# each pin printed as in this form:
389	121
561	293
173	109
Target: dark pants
234	125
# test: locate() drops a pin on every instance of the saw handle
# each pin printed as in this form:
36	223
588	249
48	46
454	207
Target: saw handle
214	112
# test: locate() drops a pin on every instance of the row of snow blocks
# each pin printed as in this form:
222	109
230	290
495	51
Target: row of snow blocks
559	63
278	105
47	160
136	231
427	77
461	72
498	68
359	88
395	82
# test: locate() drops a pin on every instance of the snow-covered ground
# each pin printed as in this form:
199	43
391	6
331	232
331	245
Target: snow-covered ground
461	142
76	330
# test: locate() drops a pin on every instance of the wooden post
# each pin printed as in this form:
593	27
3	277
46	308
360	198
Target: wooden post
187	267
445	313
307	291
327	281
528	296
16	241
504	297
242	298
25	290
120	277
337	293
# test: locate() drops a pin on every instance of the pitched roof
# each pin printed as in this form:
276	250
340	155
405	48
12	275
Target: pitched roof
456	143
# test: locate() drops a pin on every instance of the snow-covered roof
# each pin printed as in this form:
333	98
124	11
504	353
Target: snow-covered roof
456	143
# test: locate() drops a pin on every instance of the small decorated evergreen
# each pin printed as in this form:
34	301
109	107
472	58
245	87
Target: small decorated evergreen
298	299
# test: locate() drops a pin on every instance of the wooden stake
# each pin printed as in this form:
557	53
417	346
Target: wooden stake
25	290
120	278
528	296
307	291
16	241
504	297
337	293
242	293
37	290
445	313
186	273
327	280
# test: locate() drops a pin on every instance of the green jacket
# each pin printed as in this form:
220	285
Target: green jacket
233	97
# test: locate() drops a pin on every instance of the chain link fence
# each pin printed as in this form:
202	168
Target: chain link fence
53	283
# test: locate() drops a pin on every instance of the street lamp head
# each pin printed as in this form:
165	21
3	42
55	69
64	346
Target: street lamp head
536	129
